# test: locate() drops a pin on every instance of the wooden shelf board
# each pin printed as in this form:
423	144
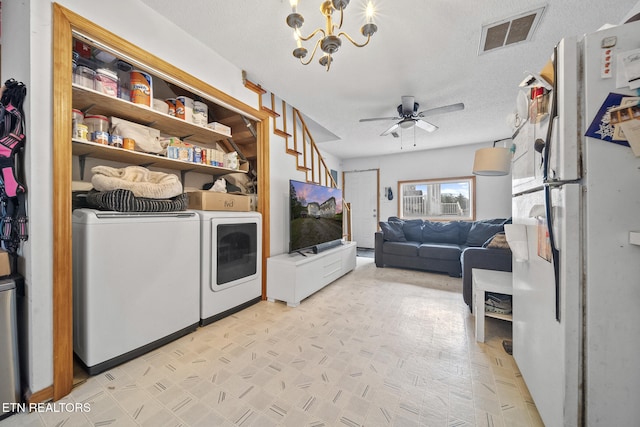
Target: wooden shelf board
92	102
107	152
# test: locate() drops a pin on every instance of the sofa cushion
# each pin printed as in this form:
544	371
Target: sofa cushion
463	231
440	232
392	231
480	232
445	251
413	230
401	248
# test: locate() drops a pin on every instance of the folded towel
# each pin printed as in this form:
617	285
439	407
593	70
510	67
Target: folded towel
139	180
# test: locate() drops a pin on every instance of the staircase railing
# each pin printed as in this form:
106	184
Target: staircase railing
300	144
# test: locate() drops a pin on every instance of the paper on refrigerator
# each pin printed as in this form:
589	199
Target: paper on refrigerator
517	238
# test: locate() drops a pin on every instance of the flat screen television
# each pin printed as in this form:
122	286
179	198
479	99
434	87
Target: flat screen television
315	216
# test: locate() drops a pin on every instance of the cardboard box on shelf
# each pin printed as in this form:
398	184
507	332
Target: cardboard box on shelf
5	263
211	201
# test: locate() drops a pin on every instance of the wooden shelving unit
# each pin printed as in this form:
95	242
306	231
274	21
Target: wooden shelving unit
90	101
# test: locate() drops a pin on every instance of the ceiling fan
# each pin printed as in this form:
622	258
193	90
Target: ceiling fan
410	116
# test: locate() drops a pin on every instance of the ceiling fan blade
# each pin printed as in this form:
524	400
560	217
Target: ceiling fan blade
407	105
444	109
429	127
391	129
380	118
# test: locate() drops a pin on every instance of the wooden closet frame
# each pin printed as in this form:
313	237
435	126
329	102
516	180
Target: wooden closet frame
64	23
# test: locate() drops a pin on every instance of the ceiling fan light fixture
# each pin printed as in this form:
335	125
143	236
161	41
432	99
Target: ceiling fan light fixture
407	123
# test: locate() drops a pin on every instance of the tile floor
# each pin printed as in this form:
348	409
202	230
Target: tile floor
379	347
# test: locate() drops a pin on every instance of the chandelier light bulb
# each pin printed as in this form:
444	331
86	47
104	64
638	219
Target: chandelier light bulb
294	5
370	12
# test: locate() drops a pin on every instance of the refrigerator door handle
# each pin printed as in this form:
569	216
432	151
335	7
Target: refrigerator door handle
552	115
555	254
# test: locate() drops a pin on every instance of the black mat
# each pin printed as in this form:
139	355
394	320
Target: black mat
365	253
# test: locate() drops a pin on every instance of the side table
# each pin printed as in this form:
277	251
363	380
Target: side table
488	281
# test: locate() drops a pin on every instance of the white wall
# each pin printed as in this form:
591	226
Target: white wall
493	194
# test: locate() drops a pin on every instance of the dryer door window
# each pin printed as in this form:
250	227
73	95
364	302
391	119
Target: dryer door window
237	251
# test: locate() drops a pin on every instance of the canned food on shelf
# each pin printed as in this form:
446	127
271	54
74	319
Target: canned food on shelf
80	131
100	137
128	144
115	141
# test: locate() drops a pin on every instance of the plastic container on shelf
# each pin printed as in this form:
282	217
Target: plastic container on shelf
74	64
85	76
200	113
160	105
141	88
77	116
97	123
171	103
187	112
106	81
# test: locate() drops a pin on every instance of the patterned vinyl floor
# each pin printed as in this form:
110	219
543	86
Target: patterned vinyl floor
379	347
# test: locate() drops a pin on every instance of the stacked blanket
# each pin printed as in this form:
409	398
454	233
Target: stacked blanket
135	189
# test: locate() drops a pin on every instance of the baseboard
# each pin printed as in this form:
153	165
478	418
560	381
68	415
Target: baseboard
43	395
216	317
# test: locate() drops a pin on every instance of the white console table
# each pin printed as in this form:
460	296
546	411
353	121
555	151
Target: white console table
293	277
489	281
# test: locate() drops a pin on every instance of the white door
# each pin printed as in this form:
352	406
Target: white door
361	191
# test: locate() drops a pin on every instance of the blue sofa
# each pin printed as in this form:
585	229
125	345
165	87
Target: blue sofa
453	247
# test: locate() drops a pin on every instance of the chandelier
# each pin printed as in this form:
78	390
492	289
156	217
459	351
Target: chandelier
330	42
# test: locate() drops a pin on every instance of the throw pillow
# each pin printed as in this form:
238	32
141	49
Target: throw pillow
440	232
392	231
413	230
498	241
481	232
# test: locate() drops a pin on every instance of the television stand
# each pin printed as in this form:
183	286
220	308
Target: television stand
292	278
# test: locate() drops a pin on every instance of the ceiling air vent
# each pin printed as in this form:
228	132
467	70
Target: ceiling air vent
509	31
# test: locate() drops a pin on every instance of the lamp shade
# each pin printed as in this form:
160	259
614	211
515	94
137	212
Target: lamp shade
492	161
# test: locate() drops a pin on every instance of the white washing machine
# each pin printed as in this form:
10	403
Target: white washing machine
230	262
136	283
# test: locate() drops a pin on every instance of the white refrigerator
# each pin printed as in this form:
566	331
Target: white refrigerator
576	275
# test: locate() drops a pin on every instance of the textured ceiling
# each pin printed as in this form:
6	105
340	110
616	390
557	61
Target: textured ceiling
428	49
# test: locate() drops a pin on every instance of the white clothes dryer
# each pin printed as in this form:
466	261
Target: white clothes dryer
230	262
